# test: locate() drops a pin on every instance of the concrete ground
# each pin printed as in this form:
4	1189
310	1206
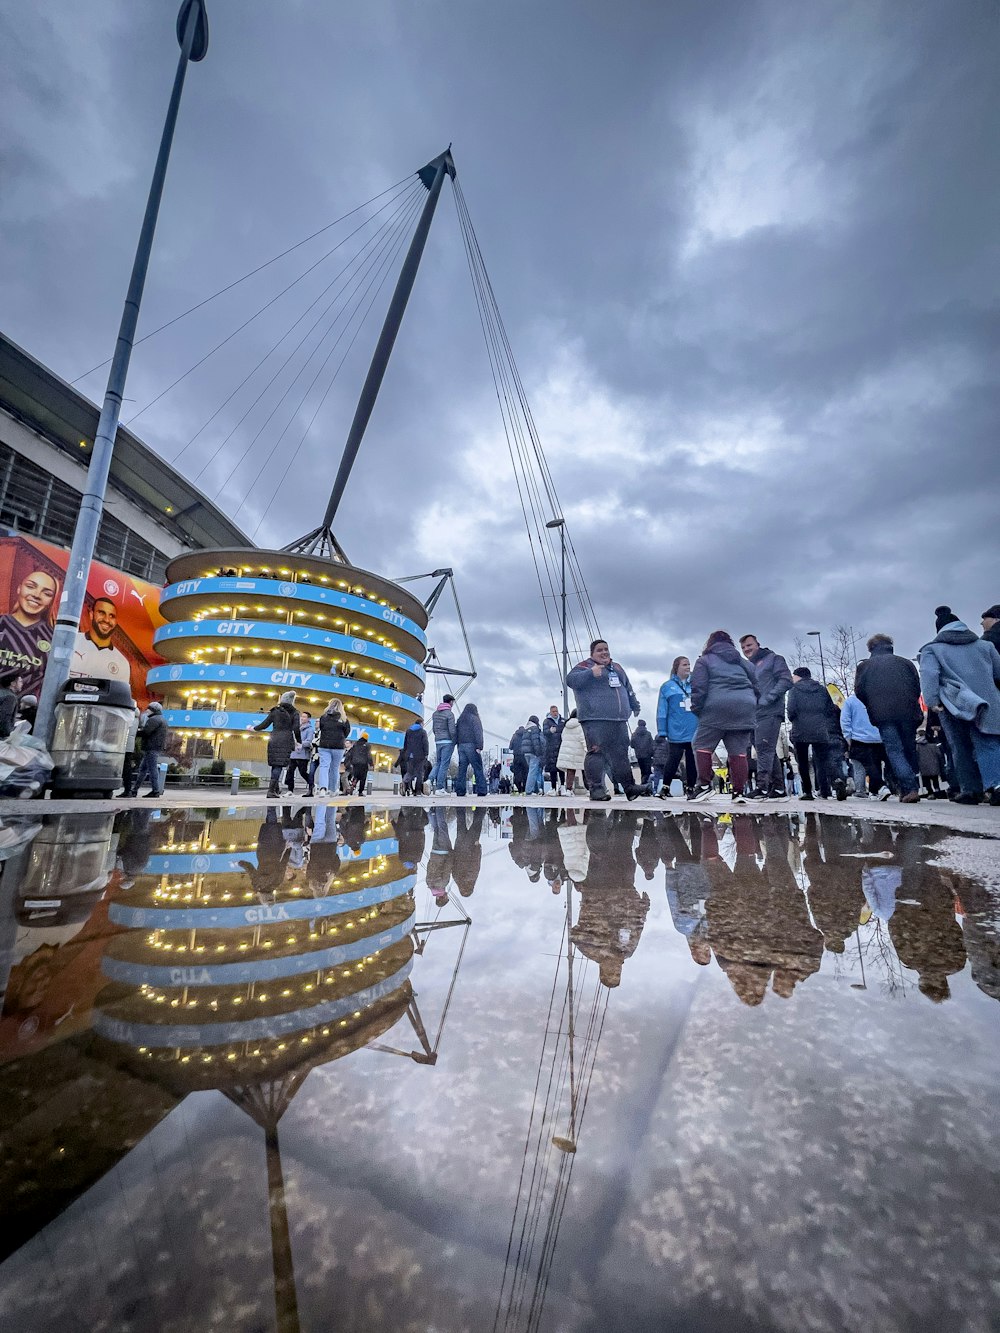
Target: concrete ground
982	820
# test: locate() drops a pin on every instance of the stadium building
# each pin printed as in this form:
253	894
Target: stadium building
47	428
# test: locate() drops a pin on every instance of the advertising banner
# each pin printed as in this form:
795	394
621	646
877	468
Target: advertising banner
115	638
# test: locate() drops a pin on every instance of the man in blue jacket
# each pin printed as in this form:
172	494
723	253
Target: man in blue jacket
604	702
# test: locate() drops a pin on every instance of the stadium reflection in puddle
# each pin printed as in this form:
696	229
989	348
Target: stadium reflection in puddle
473	1069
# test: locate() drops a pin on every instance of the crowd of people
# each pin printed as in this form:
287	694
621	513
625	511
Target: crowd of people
903	731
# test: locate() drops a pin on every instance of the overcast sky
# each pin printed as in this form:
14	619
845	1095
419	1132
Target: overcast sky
747	255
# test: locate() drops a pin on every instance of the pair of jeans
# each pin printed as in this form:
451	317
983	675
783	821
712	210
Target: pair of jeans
535	784
469	757
765	744
328	769
900	741
821	762
442	762
148	771
975	754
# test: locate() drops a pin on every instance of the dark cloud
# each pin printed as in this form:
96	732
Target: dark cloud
746	254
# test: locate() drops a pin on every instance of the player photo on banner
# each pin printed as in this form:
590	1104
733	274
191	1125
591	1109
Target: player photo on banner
115	638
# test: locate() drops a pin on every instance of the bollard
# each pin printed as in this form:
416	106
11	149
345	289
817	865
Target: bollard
234	786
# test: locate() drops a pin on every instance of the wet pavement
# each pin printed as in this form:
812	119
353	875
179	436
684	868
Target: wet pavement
467	1068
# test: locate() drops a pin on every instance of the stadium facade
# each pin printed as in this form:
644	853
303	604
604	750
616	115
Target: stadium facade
243	624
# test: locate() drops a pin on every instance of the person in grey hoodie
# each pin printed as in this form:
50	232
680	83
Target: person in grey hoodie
724	698
443	728
604	702
959	676
774	680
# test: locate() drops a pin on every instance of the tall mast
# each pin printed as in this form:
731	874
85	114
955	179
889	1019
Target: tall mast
321	539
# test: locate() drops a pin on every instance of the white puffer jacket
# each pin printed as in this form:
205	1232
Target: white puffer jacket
573	746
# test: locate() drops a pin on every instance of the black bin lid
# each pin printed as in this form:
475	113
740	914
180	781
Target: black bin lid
93	690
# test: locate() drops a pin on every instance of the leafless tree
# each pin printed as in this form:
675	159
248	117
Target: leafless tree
840	655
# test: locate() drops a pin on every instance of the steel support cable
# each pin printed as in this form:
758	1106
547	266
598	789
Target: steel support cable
511	426
388	228
573	562
557	1076
480	308
528	1136
536	1196
541	460
554	552
495	322
257	313
562	1184
402	232
252	273
372	240
555	1221
385	258
401	235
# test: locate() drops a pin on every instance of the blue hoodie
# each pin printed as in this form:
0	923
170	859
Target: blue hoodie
674	718
856	724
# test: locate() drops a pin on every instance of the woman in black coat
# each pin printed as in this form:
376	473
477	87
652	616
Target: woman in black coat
285	735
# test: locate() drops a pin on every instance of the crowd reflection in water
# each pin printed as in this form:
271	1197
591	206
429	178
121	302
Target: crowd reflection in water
767	897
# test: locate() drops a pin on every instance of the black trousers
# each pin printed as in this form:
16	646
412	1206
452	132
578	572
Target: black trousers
612	738
297	766
871	756
680	750
645	768
821	759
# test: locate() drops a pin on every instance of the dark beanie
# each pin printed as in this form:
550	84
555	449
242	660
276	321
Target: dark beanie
993	612
804	672
943	615
534	719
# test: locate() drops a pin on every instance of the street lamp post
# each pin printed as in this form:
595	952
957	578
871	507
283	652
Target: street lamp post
815	633
192	35
560	523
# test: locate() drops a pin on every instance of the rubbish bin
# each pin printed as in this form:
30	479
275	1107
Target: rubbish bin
95	727
69	865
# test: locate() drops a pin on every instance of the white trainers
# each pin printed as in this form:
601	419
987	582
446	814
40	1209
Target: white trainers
324	791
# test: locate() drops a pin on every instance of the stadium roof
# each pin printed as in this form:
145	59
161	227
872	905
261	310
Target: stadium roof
45	403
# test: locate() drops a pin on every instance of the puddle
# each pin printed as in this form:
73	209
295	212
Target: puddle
496	1069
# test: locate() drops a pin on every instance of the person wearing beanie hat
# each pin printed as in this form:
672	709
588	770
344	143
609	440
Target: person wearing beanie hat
286	734
960	681
943	615
533	749
152	736
991	625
